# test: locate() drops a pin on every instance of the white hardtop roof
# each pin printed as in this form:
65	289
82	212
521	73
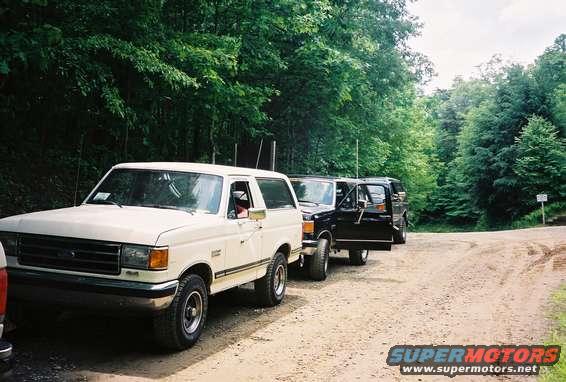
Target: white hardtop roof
212	169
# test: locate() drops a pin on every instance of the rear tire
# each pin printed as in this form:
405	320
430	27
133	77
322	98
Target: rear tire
180	325
358	256
318	266
400	236
270	289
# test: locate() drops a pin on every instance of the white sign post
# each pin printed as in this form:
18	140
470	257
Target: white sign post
541	198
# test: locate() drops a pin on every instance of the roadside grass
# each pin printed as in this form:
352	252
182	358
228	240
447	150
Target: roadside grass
557	373
534	218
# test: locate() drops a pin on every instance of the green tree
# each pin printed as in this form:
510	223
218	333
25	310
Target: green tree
541	161
84	85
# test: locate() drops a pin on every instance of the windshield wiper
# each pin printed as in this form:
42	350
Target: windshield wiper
307	201
105	202
190	211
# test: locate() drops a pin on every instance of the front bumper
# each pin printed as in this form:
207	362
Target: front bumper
309	247
97	293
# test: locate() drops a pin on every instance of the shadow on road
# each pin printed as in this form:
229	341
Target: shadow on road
79	343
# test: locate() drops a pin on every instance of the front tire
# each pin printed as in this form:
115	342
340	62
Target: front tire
318	266
358	256
270	289
180	325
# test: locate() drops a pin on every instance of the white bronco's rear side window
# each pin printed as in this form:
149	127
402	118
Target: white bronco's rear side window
276	193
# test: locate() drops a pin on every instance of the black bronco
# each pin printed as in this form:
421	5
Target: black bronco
399	204
341	213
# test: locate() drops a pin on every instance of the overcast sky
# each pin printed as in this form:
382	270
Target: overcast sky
461	34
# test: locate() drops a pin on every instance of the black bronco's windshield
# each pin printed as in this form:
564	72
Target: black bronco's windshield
314	191
192	192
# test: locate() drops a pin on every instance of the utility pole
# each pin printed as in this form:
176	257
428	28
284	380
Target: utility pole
357	159
235	155
79	168
259	153
273	148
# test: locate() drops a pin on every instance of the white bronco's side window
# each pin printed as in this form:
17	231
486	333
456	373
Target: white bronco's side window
240	200
276	193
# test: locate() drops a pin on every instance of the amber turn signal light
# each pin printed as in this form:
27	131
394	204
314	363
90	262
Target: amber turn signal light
158	258
380	207
308	227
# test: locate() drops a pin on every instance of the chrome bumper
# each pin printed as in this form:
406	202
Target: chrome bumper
309	247
89	292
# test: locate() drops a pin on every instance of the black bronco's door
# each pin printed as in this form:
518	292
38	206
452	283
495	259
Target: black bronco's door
364	218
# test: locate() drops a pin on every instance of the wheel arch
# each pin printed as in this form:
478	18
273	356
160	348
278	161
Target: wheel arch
325	234
203	270
284	248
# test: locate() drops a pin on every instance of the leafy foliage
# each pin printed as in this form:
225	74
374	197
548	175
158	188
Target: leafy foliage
84	85
541	160
497	140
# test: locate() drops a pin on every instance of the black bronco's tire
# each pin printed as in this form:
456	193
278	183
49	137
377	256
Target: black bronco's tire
318	265
400	236
358	256
180	325
270	289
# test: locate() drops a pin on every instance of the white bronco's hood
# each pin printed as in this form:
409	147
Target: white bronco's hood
138	225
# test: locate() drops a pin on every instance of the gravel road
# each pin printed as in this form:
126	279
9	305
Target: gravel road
465	288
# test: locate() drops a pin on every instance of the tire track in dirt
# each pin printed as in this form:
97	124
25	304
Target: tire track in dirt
468	288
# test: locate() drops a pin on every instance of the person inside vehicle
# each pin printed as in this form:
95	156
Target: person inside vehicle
242	199
242	205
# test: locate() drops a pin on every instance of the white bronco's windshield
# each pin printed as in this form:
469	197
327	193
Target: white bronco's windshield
187	191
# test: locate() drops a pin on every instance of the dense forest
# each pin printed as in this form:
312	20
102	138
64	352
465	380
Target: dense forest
500	140
85	85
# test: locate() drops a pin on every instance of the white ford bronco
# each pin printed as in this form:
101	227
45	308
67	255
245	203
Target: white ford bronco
159	238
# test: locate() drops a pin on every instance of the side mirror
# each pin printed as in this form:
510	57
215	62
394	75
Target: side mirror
402	195
256	213
362	204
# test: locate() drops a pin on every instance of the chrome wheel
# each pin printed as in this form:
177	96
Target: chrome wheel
326	264
280	279
365	254
192	312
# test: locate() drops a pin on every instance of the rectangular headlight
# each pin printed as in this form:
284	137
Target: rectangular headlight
143	257
135	256
9	241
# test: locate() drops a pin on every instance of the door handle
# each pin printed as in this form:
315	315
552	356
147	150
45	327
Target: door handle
257	228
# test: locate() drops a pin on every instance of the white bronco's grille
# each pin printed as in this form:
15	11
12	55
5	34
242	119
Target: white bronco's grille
69	254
